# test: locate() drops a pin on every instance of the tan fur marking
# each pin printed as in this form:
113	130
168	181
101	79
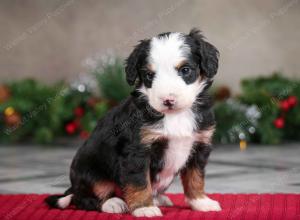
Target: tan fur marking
193	183
150	67
180	64
137	197
148	136
103	189
205	136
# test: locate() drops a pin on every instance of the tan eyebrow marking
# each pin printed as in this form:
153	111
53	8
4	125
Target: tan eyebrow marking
150	67
180	64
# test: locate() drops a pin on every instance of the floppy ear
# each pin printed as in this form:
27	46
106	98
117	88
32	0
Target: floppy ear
134	61
207	54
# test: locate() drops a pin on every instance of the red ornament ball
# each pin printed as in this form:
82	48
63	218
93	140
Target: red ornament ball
71	128
84	134
79	111
279	123
292	100
13	120
222	93
284	105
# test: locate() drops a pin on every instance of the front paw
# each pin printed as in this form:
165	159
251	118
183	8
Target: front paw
150	211
204	204
114	205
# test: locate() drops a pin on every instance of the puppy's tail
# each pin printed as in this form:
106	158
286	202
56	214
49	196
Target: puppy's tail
60	201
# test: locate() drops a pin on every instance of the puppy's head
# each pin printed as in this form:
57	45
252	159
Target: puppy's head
172	69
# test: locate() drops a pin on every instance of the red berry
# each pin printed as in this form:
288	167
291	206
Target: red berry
285	105
84	134
71	128
79	111
279	122
292	100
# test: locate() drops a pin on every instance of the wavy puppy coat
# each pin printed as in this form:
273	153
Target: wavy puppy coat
163	129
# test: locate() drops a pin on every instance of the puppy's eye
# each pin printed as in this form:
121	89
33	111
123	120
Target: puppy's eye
185	71
149	76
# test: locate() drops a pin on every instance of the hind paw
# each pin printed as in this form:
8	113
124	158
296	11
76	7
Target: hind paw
114	205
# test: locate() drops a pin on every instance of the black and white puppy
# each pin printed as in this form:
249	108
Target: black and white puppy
163	129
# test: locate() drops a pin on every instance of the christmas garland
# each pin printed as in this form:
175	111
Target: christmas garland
35	112
266	111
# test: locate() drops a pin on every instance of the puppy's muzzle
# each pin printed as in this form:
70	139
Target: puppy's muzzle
170	103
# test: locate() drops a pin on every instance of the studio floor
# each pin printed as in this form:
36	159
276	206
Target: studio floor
258	169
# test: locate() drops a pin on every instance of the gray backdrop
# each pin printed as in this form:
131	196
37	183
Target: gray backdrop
51	40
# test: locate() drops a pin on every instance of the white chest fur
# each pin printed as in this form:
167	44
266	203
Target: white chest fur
179	129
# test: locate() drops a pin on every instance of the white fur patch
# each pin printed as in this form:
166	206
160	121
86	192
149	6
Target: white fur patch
204	204
179	129
64	202
150	211
114	205
168	49
178	125
164	55
162	200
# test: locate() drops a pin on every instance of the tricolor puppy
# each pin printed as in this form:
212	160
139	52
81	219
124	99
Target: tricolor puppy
163	129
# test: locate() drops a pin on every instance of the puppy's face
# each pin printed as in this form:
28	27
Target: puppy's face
172	69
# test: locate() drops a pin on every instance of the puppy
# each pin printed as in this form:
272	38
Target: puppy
163	129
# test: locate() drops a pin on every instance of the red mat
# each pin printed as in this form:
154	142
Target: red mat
235	206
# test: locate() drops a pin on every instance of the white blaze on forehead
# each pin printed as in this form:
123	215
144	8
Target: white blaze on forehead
168	51
165	54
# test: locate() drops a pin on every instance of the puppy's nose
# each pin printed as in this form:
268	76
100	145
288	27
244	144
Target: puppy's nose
169	102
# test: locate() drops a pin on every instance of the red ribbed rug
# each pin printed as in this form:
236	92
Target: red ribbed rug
235	206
